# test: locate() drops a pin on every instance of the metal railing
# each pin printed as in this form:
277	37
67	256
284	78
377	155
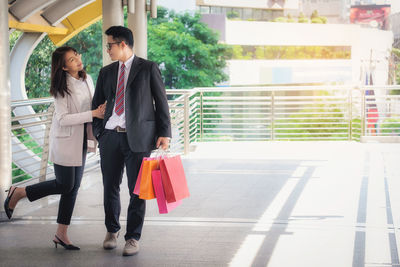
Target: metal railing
231	114
31	121
292	113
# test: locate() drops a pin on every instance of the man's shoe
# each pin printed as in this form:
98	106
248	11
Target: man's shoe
110	242
131	247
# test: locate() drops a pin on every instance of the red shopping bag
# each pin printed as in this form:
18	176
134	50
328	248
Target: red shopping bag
173	178
163	205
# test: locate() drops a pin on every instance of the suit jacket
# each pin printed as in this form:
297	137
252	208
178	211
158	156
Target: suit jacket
66	132
146	105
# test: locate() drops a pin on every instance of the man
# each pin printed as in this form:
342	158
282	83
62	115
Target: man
135	122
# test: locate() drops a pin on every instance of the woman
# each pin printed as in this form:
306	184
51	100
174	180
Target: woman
70	135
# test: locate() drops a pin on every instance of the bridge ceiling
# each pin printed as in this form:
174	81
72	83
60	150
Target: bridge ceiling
60	19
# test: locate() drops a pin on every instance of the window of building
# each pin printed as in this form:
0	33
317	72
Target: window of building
257	14
238	11
216	10
266	15
204	9
247	13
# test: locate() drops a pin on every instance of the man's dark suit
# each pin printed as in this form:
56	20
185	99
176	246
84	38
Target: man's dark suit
147	118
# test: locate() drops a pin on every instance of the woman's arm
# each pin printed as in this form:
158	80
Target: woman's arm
67	119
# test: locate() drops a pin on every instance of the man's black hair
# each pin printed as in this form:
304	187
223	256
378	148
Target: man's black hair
120	34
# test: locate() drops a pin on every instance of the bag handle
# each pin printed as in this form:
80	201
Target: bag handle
159	153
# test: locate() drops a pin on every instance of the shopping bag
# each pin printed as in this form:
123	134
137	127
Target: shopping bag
173	178
146	190
136	190
163	205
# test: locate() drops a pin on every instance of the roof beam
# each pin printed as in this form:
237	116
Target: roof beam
28	27
23	9
79	21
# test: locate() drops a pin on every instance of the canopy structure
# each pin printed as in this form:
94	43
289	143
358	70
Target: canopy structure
61	20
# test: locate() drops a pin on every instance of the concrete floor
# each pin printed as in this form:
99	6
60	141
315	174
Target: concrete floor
252	204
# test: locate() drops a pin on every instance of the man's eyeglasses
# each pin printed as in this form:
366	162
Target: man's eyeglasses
109	45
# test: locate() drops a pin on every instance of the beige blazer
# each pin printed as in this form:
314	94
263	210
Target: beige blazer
66	132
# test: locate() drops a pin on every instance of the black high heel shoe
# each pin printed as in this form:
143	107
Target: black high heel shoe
66	246
7	209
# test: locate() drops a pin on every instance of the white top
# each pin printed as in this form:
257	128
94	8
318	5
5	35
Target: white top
81	90
119	120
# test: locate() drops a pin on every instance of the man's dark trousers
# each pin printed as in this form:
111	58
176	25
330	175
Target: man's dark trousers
115	154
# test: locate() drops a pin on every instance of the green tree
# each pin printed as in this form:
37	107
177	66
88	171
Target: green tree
232	15
259	53
280	19
396	53
13	37
314	15
38	70
89	43
302	18
187	50
290	18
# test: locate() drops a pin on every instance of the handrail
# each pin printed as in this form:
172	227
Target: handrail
239	113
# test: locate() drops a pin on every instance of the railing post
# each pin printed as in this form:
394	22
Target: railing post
45	153
201	116
363	106
45	150
186	125
350	107
5	109
272	114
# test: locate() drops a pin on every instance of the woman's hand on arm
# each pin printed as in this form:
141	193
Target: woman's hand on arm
99	111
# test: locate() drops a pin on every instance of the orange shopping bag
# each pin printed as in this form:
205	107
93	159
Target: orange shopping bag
146	190
136	190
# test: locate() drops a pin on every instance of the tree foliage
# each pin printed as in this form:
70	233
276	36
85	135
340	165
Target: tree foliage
396	53
289	52
89	44
38	70
187	50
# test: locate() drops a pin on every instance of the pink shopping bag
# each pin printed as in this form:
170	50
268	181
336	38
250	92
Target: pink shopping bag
174	179
163	205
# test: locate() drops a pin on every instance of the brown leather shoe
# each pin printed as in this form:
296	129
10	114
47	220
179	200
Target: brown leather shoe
110	242
131	247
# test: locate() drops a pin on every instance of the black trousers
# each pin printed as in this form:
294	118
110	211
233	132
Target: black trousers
67	183
115	154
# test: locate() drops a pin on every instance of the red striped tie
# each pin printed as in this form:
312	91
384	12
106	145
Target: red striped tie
119	107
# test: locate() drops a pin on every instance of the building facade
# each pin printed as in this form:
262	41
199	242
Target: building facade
336	11
258	10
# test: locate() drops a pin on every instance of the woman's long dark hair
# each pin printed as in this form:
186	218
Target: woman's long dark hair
58	83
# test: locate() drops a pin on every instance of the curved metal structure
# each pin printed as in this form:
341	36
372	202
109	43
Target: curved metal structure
61	20
53	12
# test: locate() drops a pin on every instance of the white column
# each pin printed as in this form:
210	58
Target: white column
113	15
5	107
137	22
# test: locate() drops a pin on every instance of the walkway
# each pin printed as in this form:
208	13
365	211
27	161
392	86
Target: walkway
274	204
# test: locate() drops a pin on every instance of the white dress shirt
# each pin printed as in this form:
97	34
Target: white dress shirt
115	119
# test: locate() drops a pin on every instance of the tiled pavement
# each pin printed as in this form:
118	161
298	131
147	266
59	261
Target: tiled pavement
252	204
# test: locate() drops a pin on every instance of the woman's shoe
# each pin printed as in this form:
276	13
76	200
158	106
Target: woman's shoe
7	209
66	246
